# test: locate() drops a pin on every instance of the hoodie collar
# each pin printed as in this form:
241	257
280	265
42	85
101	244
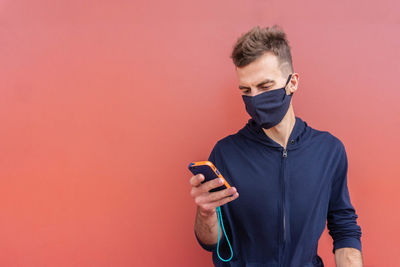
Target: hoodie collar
299	135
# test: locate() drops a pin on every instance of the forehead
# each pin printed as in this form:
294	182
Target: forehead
265	67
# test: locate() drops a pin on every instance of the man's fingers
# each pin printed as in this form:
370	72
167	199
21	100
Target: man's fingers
224	196
215	196
210	200
223	201
214	183
196	179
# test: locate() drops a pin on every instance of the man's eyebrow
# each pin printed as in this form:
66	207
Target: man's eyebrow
261	83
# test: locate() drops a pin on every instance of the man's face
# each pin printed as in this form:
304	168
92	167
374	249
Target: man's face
262	75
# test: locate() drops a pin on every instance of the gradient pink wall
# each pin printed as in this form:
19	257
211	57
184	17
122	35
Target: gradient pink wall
104	103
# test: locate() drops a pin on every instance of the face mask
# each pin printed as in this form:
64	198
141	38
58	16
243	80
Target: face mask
268	108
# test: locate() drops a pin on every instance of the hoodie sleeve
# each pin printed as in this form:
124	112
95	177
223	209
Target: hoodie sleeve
212	247
342	218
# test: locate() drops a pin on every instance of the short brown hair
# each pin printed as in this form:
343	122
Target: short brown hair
254	43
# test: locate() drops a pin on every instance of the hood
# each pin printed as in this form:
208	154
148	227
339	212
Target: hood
300	134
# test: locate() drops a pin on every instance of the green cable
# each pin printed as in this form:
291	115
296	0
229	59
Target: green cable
221	224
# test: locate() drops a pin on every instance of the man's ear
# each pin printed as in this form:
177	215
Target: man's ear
294	82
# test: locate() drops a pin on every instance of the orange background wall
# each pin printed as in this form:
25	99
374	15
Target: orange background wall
104	103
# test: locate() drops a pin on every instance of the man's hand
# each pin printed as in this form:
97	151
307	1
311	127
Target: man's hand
208	201
348	257
206	223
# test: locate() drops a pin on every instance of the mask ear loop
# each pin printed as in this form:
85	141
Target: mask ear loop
221	224
288	80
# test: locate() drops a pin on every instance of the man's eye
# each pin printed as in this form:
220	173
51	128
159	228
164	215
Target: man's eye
265	87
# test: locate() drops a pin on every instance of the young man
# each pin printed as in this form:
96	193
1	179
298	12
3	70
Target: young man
292	178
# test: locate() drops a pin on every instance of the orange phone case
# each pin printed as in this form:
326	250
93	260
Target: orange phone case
209	171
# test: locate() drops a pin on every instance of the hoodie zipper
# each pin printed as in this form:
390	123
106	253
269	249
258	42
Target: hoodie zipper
284	156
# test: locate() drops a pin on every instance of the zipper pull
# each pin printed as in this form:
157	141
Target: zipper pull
284	153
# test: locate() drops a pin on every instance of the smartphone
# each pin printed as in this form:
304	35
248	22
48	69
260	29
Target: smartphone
209	171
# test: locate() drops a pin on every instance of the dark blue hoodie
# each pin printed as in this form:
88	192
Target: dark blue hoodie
285	197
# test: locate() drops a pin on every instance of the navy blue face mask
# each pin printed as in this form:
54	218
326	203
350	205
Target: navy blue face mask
268	108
